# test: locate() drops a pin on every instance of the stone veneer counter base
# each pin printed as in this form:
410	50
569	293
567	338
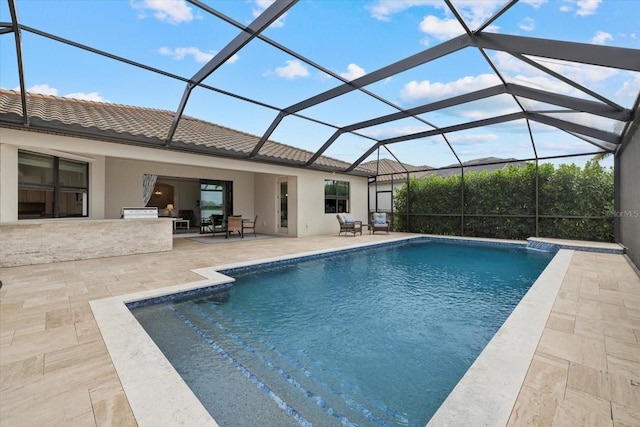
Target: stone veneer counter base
42	242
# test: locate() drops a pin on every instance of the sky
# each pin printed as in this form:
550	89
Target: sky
346	38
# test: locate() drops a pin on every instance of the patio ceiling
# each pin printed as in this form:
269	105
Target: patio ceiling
503	95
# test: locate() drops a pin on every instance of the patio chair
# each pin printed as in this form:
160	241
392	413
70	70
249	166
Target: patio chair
247	224
217	225
234	223
379	223
348	225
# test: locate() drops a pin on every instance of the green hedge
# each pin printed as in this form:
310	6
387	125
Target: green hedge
502	204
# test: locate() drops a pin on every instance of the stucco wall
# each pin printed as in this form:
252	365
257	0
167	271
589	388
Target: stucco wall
9	182
265	196
116	172
312	219
124	183
41	242
11	141
630	198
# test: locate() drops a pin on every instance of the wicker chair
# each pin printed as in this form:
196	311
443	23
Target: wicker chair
234	223
349	226
379	222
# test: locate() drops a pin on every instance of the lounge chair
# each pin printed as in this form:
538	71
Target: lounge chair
247	224
234	223
348	225
379	222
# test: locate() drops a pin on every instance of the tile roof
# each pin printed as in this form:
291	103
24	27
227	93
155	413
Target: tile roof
149	127
391	169
388	168
484	164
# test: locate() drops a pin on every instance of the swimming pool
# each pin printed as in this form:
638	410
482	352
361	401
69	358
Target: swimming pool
373	337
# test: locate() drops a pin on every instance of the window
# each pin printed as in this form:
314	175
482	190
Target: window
51	187
336	196
216	198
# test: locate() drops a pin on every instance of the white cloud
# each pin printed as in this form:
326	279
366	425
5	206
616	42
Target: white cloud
477	12
353	72
630	87
601	37
471	138
43	89
527	24
180	53
544	83
474	12
581	73
584	7
170	11
383	9
534	3
262	5
384	133
441	29
293	70
587	7
414	90
93	96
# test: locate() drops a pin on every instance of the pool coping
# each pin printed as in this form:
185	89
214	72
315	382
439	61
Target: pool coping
159	396
490	387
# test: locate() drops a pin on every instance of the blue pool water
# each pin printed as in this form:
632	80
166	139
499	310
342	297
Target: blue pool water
374	337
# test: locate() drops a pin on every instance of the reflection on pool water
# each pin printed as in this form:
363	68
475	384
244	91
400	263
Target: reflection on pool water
370	337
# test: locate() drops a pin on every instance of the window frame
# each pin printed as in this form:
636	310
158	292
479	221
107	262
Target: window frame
54	193
337	201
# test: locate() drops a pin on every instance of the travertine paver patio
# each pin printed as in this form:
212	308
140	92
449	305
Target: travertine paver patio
55	368
586	369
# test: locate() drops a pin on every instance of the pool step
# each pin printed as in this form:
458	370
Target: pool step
318	396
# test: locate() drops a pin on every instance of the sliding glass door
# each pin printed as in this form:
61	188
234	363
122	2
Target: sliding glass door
216	198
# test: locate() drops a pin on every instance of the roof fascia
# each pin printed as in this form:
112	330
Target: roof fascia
76	131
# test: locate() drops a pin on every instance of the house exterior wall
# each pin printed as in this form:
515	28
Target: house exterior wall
264	199
116	172
122	172
630	198
8	182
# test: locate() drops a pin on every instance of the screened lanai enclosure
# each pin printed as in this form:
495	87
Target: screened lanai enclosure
430	86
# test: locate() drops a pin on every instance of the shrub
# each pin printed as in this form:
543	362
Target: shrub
573	203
